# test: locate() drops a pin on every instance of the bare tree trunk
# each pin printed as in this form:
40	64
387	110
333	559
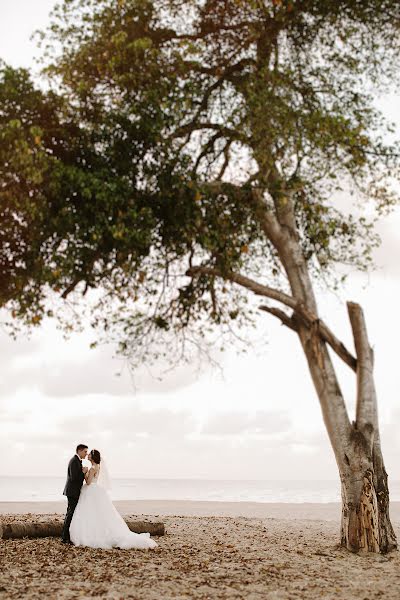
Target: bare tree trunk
365	524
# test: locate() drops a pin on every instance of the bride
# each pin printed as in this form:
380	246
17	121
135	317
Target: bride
96	522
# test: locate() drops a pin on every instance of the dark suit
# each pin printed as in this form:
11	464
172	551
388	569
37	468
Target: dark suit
72	490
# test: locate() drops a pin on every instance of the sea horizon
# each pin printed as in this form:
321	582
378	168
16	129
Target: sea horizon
49	488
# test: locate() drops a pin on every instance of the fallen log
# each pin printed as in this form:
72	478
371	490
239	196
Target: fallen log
20	529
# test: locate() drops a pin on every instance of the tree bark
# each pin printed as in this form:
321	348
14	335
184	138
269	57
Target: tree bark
19	529
387	536
366	525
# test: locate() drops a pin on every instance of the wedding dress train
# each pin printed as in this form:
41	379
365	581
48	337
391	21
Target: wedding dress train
97	523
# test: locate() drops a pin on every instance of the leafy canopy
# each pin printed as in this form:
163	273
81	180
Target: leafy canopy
158	123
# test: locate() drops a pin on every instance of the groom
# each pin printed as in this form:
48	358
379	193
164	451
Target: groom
76	475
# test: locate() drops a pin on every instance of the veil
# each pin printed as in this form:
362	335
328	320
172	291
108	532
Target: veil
104	480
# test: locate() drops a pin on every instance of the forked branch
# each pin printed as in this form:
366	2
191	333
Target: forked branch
319	327
300	312
366	410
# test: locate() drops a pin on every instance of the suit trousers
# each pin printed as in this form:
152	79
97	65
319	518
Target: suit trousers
72	502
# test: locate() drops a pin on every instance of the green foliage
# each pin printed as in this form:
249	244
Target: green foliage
160	120
66	212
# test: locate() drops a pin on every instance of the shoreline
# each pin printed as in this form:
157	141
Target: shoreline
330	511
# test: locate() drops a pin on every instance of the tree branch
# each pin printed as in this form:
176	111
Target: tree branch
221	78
266	218
320	328
366	410
250	284
227	132
328	336
71	287
226	160
281	315
207	149
307	318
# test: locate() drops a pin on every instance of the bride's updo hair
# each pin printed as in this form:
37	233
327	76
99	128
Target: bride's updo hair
95	454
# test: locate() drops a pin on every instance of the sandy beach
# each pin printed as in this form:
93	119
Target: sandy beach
210	550
328	511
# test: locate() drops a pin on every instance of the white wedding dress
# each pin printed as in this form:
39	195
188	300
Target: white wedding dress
97	523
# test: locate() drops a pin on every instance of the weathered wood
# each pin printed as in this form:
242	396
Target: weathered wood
366	411
366	523
156	528
20	529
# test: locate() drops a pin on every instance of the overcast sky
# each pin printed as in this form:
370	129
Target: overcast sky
260	420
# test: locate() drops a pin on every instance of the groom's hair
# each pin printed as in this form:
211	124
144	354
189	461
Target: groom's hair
81	447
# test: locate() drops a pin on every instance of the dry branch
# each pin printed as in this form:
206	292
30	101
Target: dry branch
366	411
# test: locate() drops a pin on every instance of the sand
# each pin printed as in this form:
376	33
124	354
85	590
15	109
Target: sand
226	550
323	512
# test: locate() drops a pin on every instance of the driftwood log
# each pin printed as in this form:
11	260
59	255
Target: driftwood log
20	529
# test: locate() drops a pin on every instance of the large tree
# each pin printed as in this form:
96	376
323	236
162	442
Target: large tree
186	159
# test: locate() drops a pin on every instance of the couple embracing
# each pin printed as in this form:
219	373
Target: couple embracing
92	520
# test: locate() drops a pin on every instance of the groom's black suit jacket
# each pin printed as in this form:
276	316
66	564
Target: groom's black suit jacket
75	478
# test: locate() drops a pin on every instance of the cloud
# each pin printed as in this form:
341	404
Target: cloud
236	423
62	368
130	421
167	456
387	255
140	441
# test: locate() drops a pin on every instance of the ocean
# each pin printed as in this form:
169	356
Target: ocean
28	489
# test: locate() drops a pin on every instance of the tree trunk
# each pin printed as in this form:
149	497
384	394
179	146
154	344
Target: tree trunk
19	529
366	524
